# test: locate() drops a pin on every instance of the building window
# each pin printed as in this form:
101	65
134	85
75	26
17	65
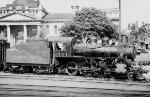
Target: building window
10	8
55	29
18	7
26	7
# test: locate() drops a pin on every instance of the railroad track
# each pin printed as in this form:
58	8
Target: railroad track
46	91
58	77
16	85
87	81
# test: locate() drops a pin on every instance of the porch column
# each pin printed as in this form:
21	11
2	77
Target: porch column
25	32
38	30
8	33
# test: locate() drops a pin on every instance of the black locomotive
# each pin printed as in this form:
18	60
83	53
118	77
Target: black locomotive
72	56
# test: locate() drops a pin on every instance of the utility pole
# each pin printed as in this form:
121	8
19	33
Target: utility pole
119	21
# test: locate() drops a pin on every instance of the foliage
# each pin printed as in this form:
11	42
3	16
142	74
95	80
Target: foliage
134	29
90	21
137	30
144	28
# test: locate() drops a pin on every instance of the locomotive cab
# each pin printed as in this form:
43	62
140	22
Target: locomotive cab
62	46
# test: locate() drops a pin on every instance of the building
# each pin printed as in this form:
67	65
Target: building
25	19
112	14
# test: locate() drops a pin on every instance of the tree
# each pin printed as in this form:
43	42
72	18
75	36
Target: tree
134	29
90	21
138	31
143	29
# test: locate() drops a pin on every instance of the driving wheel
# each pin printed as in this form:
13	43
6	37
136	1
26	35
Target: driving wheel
71	68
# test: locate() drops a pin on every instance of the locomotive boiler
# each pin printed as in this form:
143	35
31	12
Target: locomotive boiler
70	55
95	50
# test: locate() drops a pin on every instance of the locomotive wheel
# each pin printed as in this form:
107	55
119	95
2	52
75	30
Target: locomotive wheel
86	70
35	69
71	68
97	74
130	76
9	69
6	68
22	70
1	67
87	73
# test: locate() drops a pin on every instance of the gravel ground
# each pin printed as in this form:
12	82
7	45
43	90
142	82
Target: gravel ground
19	85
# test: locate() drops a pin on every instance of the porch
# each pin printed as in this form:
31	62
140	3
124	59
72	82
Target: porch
19	33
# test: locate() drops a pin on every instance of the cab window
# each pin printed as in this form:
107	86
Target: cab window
61	46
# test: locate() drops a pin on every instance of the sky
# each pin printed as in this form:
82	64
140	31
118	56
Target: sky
131	10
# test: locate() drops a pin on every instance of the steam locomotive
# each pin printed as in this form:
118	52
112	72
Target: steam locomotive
72	56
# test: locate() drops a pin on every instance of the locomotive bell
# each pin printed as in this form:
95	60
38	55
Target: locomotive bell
105	41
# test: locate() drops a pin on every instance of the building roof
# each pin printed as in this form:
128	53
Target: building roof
31	18
58	16
110	10
23	4
16	12
18	5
